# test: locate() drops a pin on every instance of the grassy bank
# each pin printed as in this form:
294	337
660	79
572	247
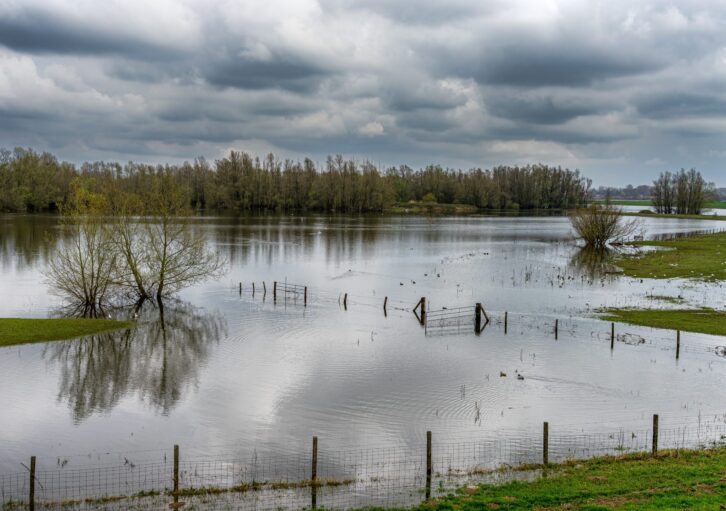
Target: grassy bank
702	257
705	321
22	331
646	203
673	480
648	214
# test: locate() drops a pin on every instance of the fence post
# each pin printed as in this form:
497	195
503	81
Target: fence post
429	465
385	306
557	328
240	288
305	303
274	291
477	320
423	310
345	301
546	444
264	289
253	289
314	474
678	344
506	318
175	479
612	335
655	434
31	495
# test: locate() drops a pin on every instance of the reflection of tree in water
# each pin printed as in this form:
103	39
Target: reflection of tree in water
592	262
158	360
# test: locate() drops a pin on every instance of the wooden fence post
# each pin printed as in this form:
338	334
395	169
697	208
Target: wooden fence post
264	289
477	318
546	444
506	318
612	336
429	465
314	474
678	344
305	303
253	289
31	493
345	301
240	288
274	291
557	328
655	434
385	306
175	479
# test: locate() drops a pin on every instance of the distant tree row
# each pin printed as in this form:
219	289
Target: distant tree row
683	192
31	181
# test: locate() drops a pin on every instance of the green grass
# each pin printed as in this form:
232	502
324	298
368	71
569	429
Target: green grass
650	214
22	331
675	480
700	257
645	202
704	321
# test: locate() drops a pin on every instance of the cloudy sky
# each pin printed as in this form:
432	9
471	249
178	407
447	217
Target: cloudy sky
619	89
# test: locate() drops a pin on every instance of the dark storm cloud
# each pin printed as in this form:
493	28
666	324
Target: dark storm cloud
539	110
537	64
38	31
678	104
278	71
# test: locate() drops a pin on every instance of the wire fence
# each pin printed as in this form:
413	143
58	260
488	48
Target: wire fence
335	479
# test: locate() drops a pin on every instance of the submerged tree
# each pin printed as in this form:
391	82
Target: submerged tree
129	257
84	266
599	225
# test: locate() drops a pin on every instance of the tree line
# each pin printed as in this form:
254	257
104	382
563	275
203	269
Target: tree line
36	182
684	192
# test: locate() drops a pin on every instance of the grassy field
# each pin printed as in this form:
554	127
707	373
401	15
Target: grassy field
705	321
693	480
701	257
22	331
646	203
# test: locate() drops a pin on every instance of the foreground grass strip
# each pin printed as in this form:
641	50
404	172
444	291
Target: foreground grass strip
673	480
22	331
704	321
700	257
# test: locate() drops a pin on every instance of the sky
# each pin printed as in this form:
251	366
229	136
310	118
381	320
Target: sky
621	90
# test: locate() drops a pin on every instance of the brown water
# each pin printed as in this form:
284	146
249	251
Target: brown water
228	369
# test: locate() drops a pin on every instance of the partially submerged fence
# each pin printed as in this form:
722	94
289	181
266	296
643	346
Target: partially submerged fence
337	478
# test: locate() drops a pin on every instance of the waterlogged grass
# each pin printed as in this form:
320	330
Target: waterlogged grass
673	480
704	321
700	257
22	331
650	214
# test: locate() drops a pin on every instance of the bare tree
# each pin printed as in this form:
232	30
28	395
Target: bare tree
663	193
163	254
84	266
599	225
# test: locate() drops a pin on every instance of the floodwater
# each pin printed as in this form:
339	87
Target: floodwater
225	368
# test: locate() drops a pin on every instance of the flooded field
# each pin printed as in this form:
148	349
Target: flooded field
229	371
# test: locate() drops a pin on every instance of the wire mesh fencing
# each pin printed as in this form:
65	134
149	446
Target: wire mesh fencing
336	479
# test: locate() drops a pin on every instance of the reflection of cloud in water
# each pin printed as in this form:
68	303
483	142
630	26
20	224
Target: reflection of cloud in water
158	360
